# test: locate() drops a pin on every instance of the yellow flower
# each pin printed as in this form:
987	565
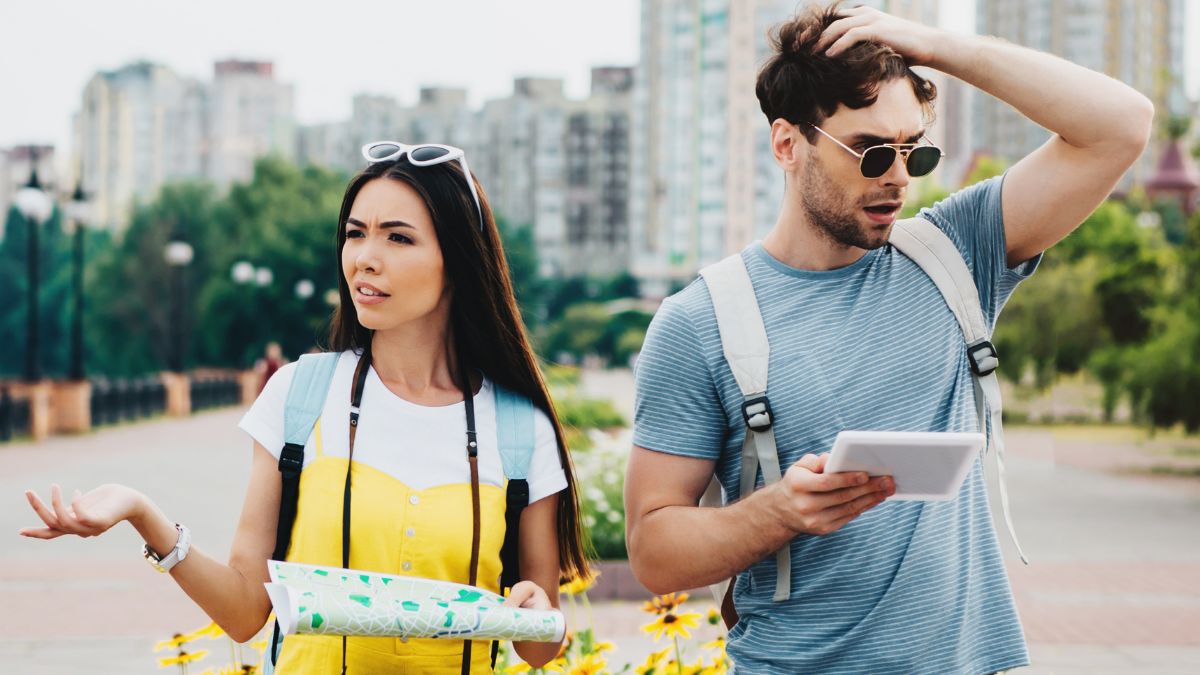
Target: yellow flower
718	643
212	631
183	657
579	585
603	647
521	667
664	604
176	641
591	664
651	664
558	665
672	625
713	616
260	645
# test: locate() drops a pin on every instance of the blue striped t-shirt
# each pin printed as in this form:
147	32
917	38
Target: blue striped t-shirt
908	587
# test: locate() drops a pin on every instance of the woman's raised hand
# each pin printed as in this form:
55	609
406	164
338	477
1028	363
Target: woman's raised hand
87	515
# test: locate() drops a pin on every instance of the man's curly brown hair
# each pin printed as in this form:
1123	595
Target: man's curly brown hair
803	86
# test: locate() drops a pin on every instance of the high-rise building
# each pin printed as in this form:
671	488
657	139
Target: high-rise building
138	126
521	163
704	181
142	125
251	115
1139	42
597	175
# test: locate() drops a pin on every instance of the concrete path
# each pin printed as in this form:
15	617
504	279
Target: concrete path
1114	586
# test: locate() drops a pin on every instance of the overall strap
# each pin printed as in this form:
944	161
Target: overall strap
934	252
515	436
744	343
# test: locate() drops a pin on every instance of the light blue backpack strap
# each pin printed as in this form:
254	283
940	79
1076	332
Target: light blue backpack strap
306	396
514	429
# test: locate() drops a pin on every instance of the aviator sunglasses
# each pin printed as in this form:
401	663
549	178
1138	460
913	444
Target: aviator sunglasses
424	154
876	160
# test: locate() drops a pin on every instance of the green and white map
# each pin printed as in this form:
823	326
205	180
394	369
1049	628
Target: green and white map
333	601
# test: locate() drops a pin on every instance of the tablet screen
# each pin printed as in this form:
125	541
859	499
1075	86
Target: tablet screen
926	465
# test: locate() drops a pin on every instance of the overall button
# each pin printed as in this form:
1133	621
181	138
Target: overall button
410	532
406	566
414	499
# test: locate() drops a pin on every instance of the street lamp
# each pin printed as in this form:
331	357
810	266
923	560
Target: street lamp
242	272
305	289
35	207
77	212
178	254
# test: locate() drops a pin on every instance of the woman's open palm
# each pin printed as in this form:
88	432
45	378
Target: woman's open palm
87	515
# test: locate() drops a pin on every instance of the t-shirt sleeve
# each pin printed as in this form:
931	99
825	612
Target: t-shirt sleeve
974	221
676	407
546	475
264	420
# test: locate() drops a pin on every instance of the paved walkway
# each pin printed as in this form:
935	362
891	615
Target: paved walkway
1114	586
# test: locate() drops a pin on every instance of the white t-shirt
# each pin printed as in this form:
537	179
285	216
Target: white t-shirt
421	446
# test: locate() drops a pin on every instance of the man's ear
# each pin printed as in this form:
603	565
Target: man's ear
788	145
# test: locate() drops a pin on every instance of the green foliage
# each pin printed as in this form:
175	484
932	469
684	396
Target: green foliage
588	413
986	167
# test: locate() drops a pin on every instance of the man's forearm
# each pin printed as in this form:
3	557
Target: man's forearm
1086	108
679	547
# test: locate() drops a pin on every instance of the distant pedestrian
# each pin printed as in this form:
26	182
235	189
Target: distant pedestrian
272	361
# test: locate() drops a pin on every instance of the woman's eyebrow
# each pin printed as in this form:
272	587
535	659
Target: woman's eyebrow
383	226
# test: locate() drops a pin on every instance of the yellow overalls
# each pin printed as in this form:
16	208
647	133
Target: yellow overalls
395	530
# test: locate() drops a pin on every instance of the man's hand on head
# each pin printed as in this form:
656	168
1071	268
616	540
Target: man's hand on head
914	41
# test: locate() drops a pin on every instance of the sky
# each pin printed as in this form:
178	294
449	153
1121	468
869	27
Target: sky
329	51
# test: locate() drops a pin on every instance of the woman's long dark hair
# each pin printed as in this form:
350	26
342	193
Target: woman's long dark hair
486	331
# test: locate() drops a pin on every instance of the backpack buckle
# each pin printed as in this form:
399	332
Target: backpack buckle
983	358
757	413
291	459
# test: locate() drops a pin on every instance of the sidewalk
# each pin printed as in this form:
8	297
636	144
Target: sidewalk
1114	585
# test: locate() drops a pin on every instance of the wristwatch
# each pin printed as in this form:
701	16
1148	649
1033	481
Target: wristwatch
177	554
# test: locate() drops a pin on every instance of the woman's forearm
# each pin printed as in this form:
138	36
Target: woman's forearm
237	604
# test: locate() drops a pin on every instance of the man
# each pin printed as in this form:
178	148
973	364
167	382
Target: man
861	339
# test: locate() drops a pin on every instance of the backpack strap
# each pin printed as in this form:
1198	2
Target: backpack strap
744	342
515	435
927	245
305	401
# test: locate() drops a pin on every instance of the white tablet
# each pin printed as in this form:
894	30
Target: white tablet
927	465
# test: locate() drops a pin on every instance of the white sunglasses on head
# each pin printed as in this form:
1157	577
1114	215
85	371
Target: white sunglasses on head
424	154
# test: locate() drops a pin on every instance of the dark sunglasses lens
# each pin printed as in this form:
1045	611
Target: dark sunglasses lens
876	161
427	153
382	151
922	160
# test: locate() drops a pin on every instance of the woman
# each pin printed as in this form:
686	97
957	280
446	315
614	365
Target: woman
427	315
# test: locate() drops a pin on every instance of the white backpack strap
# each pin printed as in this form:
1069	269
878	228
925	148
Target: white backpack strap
925	244
744	342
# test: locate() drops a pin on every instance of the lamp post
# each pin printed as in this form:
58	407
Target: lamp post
77	214
35	207
178	254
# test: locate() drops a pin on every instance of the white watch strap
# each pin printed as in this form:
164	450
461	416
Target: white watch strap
177	554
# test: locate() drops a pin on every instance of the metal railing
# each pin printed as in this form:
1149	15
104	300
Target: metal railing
14	416
214	391
116	401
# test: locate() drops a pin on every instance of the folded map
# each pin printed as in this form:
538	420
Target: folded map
333	601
